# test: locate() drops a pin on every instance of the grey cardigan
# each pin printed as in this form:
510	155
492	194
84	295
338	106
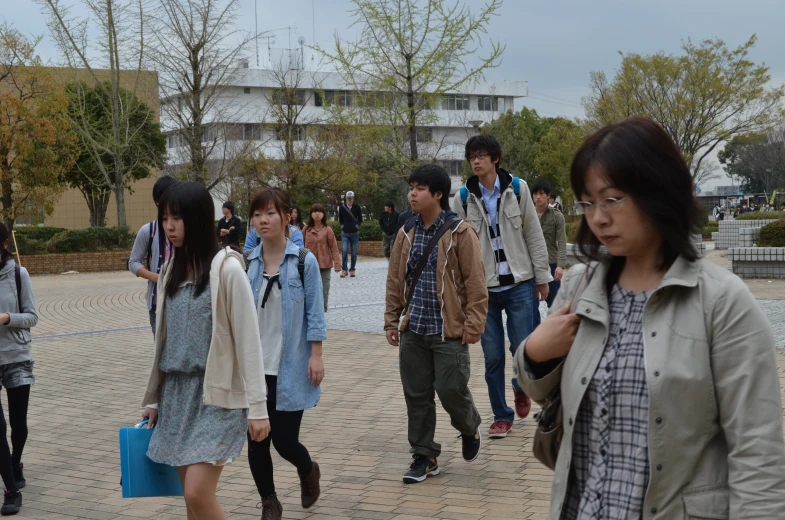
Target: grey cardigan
139	254
715	446
15	337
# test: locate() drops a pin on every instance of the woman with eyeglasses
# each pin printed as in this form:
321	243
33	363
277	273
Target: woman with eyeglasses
670	396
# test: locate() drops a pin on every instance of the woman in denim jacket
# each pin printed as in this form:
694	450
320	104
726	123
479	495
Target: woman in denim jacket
290	309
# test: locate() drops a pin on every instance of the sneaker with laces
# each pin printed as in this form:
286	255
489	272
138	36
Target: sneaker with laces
471	446
499	429
523	404
12	503
420	469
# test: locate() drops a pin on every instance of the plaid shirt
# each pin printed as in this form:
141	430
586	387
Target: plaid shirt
610	461
425	314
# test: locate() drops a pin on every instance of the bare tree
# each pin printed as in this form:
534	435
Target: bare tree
119	47
197	51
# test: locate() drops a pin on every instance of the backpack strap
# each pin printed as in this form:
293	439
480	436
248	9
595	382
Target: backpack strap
18	276
301	256
516	187
153	227
464	191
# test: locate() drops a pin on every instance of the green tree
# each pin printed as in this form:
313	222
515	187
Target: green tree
704	97
407	55
518	134
36	144
145	149
757	161
552	156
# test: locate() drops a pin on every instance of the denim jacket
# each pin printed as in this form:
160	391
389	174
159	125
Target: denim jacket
303	322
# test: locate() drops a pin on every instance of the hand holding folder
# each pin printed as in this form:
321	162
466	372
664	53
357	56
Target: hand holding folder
140	476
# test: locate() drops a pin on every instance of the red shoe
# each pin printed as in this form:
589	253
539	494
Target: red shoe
499	429
523	404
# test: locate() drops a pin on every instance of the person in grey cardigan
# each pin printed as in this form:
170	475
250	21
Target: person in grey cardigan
152	248
17	316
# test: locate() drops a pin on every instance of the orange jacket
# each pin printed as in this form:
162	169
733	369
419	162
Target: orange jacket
324	247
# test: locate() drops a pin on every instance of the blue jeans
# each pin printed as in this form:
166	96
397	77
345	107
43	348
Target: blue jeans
354	240
518	303
553	290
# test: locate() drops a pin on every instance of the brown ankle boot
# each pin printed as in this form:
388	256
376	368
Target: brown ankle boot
309	487
271	508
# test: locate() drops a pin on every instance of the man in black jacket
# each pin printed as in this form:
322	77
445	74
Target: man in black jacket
350	216
388	221
228	229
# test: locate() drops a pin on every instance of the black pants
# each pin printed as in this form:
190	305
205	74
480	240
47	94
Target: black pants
284	435
18	400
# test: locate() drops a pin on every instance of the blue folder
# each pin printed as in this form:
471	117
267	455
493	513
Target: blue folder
140	476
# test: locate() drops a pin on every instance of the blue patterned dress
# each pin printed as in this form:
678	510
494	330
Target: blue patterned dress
189	432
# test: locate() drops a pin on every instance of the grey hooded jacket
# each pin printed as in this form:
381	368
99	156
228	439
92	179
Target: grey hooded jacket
15	337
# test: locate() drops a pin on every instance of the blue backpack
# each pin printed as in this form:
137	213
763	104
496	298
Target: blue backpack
516	188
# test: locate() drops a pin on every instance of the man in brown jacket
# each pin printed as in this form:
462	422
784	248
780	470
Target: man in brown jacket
446	313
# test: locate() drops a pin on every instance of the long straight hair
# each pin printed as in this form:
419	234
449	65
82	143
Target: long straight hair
191	202
5	254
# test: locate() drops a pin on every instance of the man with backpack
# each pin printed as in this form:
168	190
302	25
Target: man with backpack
500	209
350	216
153	248
436	306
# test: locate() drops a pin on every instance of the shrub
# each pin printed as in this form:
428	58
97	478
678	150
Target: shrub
709	228
772	235
28	246
762	215
41	233
571	229
93	239
370	230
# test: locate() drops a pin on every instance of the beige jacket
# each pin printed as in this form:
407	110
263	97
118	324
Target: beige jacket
524	243
234	376
716	446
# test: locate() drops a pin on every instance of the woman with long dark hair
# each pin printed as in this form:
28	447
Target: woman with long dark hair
17	316
320	240
287	290
206	387
297	218
670	397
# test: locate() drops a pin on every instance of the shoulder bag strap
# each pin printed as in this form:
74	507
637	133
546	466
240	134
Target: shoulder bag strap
452	219
18	276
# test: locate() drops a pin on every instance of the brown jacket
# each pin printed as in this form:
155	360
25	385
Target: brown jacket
460	282
324	247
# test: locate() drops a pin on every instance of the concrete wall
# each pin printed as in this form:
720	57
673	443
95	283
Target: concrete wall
82	262
758	262
729	234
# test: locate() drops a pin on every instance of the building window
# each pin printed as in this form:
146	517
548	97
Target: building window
298	133
488	103
424	134
247	90
454	168
341	98
252	132
455	102
288	96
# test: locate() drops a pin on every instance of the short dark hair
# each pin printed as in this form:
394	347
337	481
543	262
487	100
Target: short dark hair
639	158
437	180
271	197
228	205
163	183
541	185
484	143
389	204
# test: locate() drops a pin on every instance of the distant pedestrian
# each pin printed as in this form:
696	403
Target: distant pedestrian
388	221
403	218
152	249
433	329
320	240
500	209
17	315
287	291
553	203
206	387
553	229
350	216
228	229
297	218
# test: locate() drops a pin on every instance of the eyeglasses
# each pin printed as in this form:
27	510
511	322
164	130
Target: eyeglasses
608	206
480	156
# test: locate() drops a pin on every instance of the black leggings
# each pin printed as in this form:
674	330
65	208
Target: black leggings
284	434
18	399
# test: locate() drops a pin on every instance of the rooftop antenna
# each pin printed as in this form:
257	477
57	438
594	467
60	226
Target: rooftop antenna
313	22
301	41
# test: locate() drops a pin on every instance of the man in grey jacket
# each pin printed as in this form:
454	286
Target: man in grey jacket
153	248
499	207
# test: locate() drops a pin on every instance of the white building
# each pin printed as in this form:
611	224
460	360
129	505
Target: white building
243	113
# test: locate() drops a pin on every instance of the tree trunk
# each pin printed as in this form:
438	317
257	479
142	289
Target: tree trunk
8	202
97	202
119	194
197	152
410	103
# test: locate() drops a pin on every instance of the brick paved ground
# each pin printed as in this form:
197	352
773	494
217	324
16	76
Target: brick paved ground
93	350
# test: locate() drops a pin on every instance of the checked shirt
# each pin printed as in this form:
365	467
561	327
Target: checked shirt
425	315
610	462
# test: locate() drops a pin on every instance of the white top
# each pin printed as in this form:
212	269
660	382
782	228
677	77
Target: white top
271	324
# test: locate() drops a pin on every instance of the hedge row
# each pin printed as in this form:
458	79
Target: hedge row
772	235
36	241
762	215
370	230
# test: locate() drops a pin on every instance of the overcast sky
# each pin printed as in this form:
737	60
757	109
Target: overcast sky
553	45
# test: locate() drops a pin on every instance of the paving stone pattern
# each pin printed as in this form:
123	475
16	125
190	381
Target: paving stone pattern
93	348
